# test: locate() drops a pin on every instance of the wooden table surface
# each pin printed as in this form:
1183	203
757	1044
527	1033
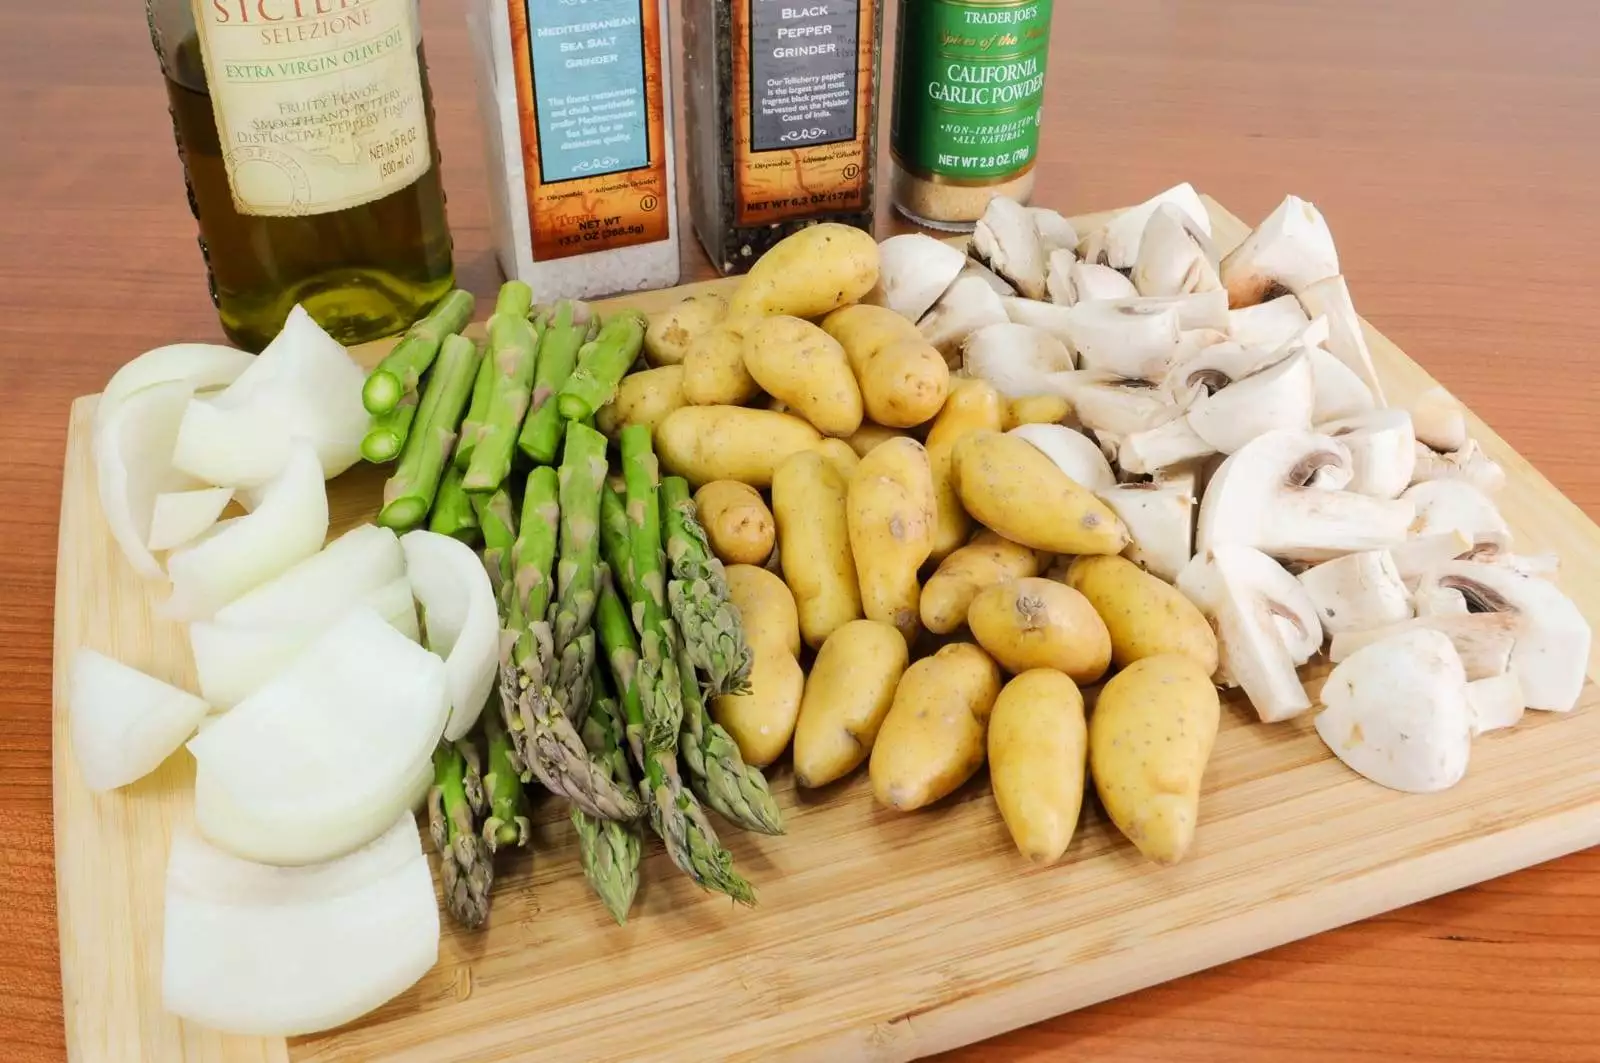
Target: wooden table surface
1453	146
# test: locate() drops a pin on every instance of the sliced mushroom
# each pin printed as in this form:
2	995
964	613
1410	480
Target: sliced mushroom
1398	713
1551	655
914	269
1340	393
1484	641
1441	422
1197	310
1160	520
1357	592
1266	625
1072	452
1457	506
1018	360
1269	324
1496	702
1262	496
1175	257
1132	341
1112	405
1214	367
1289	251
1049	317
1071	282
997	284
1056	233
1383	452
1444	601
1469	463
1006	239
1330	298
1118	246
965	307
1420	554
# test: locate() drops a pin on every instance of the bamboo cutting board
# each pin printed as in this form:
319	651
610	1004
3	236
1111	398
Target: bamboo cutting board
879	936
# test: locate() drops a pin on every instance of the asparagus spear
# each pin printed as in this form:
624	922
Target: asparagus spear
515	299
698	593
453	512
387	436
659	683
602	362
498	522
583	472
675	815
547	742
477	410
464	862
506	824
400	371
409	494
609	850
569	329
514	347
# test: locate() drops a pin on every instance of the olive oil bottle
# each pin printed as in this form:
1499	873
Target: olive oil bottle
305	128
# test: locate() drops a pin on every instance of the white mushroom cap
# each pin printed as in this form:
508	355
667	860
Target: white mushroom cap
914	269
1007	240
1214	367
1175	257
1160	520
1330	298
1289	251
997	284
1440	420
965	307
1484	641
1056	233
1269	324
1119	244
1469	463
1397	712
1196	310
1132	341
1072	452
1071	282
1383	451
1357	592
1340	393
1016	359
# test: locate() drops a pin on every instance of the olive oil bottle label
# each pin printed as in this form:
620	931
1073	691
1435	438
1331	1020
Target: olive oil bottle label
590	103
318	103
802	96
971	82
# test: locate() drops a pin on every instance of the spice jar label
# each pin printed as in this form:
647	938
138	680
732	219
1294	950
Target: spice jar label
590	107
970	86
802	97
318	106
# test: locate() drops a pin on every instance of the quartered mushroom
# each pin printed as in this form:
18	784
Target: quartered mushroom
1483	641
1070	281
1266	623
1340	392
1175	256
1018	360
1118	244
1269	324
1006	240
1289	251
1160	520
1280	493
1421	554
1056	233
1357	592
1074	453
1330	298
1457	506
1196	310
914	270
1214	367
1383	452
964	308
1440	420
1113	405
997	284
1468	463
1132	340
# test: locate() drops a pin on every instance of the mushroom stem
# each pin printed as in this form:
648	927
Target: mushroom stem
1495	702
1484	641
1357	592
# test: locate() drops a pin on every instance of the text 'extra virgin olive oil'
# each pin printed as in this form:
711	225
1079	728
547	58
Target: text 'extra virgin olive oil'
306	133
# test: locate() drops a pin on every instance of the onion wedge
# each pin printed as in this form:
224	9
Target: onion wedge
322	759
322	587
202	366
269	951
125	723
288	526
180	517
461	621
133	464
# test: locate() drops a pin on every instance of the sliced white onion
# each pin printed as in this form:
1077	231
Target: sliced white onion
304	385
321	588
323	758
287	527
462	623
180	517
394	602
133	464
269	951
124	723
200	365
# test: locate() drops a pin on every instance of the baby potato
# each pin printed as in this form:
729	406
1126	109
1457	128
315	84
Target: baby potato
985	561
932	740
739	527
1150	736
714	373
762	721
1039	623
670	332
1007	484
848	693
643	398
1035	409
864	330
810	500
1146	615
904	384
705	443
809	273
1038	757
973	405
869	435
890	509
840	454
804	368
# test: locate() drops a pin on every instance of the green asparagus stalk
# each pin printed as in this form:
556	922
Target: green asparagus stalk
602	362
710	624
514	347
533	557
506	824
453	513
515	299
659	683
400	371
675	815
497	520
472	776
569	329
465	865
387	436
717	771
582	474
409	493
608	850
477	410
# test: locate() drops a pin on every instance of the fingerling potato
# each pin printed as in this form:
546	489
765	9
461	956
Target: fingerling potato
809	273
762	721
739	527
810	499
804	368
670	332
643	398
1038	758
932	740
1145	614
714	373
705	443
973	405
1008	485
986	560
1039	623
890	511
848	693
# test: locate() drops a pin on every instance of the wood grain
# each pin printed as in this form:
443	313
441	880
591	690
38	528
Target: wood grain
879	936
1453	146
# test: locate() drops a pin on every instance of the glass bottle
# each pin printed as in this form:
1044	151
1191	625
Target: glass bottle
305	128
